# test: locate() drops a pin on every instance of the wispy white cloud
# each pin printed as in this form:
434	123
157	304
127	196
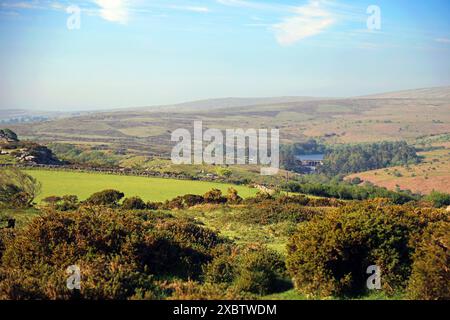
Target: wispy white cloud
443	40
20	4
253	5
114	10
309	20
191	8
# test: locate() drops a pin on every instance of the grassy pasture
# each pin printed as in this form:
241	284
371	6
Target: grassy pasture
149	189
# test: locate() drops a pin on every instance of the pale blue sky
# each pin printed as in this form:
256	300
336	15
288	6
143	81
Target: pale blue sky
140	53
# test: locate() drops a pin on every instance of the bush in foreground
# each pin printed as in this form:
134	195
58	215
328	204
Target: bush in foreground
119	255
430	279
329	256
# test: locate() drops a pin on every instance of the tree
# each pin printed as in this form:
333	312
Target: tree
17	189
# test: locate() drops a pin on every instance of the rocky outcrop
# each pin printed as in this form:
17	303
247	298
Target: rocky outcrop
25	151
8	136
37	154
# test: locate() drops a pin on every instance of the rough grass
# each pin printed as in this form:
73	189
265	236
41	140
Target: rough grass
149	189
432	174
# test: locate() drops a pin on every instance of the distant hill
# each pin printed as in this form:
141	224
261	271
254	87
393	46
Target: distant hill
425	93
404	115
223	103
14	116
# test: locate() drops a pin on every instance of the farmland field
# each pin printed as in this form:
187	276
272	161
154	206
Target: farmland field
149	189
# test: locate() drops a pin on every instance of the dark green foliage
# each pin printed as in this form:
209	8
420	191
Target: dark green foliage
430	278
191	200
119	255
259	271
270	212
253	269
438	199
362	157
330	255
134	203
192	290
105	198
347	191
288	153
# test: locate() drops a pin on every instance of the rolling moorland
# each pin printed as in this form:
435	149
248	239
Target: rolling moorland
420	117
236	235
403	115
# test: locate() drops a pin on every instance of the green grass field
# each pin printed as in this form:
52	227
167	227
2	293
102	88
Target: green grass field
149	189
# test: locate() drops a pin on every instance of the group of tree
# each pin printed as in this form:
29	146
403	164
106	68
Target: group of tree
362	157
350	158
322	186
289	153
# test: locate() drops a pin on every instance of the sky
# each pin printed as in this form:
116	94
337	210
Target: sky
103	54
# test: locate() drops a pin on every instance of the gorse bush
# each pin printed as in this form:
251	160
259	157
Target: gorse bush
134	203
330	255
191	290
253	269
430	277
105	198
259	270
214	196
271	212
119	255
438	199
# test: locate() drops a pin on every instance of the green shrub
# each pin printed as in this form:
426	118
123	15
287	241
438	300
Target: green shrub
271	212
105	198
430	276
330	255
192	290
222	268
259	270
253	269
438	199
191	200
119	254
134	203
